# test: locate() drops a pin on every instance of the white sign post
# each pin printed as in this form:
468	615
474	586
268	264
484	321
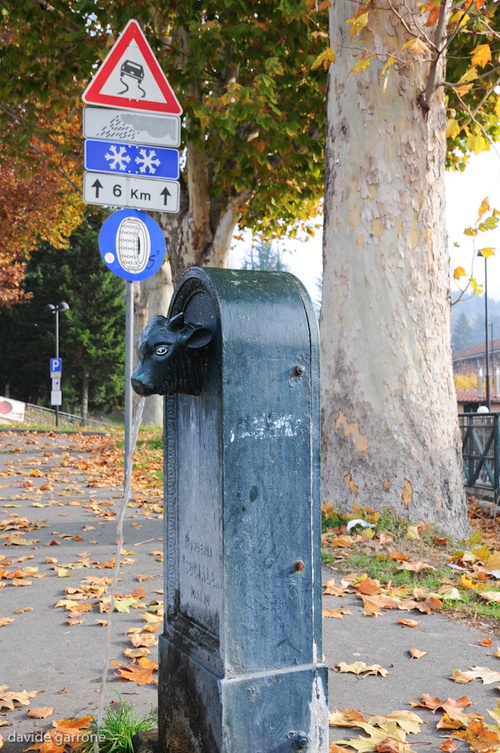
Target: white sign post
144	110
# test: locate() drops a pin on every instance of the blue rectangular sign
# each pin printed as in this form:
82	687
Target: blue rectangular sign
131	159
55	365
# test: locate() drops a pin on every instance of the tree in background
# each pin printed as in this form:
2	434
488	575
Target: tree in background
462	333
91	332
264	256
390	432
254	110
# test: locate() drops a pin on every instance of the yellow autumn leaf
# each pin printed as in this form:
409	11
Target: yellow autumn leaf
493	562
481	55
358	23
408	721
476	287
326	58
453	129
484	207
467	582
360	668
478	144
459	272
469	75
360	66
345	718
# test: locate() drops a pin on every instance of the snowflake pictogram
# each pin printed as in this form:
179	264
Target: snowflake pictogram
146	161
117	157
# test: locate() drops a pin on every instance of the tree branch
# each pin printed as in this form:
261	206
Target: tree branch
439	36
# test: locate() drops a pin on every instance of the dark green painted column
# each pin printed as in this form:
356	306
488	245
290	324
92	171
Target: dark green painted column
240	658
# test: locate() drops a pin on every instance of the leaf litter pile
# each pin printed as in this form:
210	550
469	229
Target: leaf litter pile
55	480
390	564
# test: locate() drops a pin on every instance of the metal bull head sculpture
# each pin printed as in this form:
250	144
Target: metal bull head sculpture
172	357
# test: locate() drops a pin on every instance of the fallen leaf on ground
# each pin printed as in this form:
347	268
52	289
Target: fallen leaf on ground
381	739
449	746
415	567
409	721
485	642
360	668
141	640
136	653
451	706
65	733
345	717
408	623
338	614
479	737
8	699
490	596
41	712
373	605
141	673
416	654
332	589
476	673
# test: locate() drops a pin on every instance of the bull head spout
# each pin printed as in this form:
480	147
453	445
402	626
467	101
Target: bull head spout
172	357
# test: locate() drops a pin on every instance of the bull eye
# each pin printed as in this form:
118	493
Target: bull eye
161	350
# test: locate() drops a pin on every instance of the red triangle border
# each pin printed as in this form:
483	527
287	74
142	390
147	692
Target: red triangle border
93	96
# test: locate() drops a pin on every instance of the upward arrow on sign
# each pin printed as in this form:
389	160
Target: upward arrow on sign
130	77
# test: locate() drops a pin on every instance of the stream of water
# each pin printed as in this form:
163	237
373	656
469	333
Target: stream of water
127	491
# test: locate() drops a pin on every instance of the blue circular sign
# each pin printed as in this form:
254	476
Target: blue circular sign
132	245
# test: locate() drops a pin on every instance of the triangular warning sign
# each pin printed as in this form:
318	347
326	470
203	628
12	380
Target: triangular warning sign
131	77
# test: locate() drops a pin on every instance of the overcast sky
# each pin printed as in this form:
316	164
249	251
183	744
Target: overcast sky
465	192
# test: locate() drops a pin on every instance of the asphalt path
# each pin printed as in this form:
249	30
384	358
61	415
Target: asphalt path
58	530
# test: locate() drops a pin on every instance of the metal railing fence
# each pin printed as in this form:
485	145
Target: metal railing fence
481	450
37	415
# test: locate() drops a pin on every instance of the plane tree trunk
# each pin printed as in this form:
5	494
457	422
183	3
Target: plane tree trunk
389	413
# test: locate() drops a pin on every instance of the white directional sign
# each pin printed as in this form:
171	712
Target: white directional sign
56	397
125	191
132	127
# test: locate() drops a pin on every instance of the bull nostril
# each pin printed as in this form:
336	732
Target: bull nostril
137	384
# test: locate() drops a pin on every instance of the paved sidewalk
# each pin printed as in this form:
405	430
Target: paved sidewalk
71	518
45	649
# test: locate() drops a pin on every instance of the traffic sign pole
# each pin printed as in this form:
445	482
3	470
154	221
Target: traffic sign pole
131	82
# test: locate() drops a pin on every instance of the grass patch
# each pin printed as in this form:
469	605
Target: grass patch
416	560
118	728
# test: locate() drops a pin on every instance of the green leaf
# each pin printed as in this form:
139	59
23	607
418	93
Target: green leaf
490	223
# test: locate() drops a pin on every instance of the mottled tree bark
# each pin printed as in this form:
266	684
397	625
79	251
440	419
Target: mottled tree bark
390	429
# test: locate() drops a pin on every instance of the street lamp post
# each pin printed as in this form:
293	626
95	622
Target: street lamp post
487	350
51	309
